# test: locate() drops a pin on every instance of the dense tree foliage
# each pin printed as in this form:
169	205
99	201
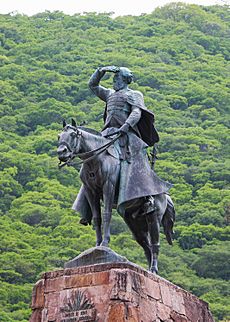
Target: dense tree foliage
180	58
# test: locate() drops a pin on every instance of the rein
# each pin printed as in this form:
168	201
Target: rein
88	156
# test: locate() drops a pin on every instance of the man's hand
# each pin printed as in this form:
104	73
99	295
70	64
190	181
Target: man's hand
113	69
124	128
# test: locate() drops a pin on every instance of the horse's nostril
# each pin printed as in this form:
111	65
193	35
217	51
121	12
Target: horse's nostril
62	150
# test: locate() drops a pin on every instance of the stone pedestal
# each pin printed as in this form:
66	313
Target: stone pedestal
113	292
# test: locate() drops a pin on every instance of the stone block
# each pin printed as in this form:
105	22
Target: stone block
177	301
101	279
36	315
196	310
122	312
54	284
152	288
117	313
38	296
165	294
52	305
148	310
119	292
179	318
163	311
74	281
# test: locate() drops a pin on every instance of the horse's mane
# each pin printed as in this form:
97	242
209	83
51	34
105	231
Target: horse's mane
92	131
86	129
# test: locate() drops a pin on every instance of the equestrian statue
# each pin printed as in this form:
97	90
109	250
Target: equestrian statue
116	169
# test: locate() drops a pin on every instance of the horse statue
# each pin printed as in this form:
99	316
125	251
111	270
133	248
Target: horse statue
100	174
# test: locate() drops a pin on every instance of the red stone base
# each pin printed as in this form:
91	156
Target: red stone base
114	292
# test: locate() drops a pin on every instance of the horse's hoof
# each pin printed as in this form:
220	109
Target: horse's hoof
98	243
153	270
105	244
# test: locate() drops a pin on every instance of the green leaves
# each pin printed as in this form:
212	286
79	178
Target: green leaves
213	261
10	188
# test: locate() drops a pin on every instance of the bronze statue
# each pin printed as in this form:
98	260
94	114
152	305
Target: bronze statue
116	168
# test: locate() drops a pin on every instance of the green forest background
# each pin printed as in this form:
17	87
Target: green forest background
180	57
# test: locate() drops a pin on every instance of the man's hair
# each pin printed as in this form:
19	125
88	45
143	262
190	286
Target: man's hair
126	74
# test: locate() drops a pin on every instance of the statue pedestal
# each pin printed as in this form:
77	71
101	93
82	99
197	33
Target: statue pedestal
113	292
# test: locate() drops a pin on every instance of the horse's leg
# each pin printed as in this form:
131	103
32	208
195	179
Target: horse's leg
108	196
94	201
139	230
153	222
110	172
97	221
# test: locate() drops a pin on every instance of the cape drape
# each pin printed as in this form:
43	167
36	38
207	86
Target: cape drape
137	180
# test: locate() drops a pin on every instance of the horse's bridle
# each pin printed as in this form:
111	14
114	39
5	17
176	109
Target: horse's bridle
86	156
72	150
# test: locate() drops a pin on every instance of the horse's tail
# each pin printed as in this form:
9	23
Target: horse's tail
168	220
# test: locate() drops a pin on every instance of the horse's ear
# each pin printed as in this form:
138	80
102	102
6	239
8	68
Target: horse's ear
74	123
64	123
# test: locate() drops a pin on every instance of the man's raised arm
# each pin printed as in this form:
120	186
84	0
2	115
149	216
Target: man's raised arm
94	81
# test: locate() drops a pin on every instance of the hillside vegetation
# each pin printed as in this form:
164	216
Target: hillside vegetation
180	57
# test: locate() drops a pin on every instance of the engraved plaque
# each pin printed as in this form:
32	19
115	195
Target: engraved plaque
78	308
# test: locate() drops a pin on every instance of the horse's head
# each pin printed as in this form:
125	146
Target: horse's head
68	142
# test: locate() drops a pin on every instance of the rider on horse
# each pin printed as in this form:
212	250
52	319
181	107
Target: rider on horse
126	113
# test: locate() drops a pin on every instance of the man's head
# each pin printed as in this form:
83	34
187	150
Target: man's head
122	78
